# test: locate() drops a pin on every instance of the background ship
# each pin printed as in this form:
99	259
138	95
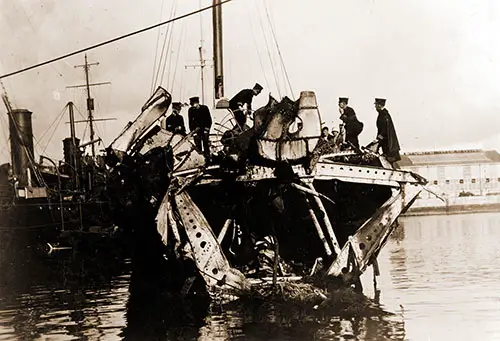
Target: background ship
50	200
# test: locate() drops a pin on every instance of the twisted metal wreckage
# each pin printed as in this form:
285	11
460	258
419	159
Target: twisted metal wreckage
267	208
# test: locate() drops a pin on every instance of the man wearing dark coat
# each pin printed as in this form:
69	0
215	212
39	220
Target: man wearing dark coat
243	97
386	133
201	120
353	127
175	123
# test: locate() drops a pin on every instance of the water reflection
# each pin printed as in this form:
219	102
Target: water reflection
439	279
444	276
63	296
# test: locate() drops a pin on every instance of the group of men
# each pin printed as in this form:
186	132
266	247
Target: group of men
200	122
386	138
200	119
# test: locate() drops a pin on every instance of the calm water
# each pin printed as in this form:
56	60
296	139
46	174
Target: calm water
440	279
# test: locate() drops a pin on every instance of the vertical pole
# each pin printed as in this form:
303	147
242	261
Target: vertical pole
218	58
74	156
202	66
90	106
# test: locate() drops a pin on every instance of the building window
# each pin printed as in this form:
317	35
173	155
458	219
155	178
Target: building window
461	181
435	182
473	181
447	182
467	172
487	180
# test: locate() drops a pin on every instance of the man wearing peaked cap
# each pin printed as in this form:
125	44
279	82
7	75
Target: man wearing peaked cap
386	133
244	97
201	121
353	127
175	123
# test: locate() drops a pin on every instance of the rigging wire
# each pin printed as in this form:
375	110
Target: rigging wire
113	40
167	31
5	135
50	138
156	49
181	40
85	118
279	50
258	52
168	54
35	31
51	125
276	78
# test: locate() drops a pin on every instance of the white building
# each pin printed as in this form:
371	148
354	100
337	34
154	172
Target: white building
455	172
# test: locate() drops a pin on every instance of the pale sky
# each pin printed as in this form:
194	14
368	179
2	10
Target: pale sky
436	61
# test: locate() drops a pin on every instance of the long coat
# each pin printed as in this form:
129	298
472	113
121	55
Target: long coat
387	135
199	118
245	96
353	126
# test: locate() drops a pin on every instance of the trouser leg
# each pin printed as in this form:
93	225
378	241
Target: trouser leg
197	141
206	146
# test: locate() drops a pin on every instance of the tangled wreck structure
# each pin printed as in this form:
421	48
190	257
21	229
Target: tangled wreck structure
269	206
272	211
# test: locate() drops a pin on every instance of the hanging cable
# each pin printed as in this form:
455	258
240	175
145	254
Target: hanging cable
113	40
163	51
156	49
168	60
279	50
276	79
183	29
167	53
257	50
35	31
51	136
52	124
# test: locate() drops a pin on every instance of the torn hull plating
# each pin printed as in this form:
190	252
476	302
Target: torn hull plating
222	227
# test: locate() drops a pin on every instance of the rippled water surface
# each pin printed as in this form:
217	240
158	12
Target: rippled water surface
440	280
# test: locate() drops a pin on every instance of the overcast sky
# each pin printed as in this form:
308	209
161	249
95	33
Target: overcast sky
436	62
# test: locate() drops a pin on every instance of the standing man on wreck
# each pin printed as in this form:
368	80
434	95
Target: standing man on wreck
353	127
175	123
243	97
386	133
200	121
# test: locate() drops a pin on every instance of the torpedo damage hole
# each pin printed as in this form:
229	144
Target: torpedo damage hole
215	271
198	235
362	246
202	244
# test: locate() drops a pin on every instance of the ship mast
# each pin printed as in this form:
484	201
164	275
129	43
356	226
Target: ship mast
90	100
218	60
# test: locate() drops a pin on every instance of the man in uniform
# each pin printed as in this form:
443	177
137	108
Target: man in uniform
386	133
352	126
243	97
201	121
175	123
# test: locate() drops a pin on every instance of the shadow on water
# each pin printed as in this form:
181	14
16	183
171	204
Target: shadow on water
153	317
154	314
70	295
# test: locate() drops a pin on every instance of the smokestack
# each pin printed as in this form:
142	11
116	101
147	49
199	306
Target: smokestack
21	143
